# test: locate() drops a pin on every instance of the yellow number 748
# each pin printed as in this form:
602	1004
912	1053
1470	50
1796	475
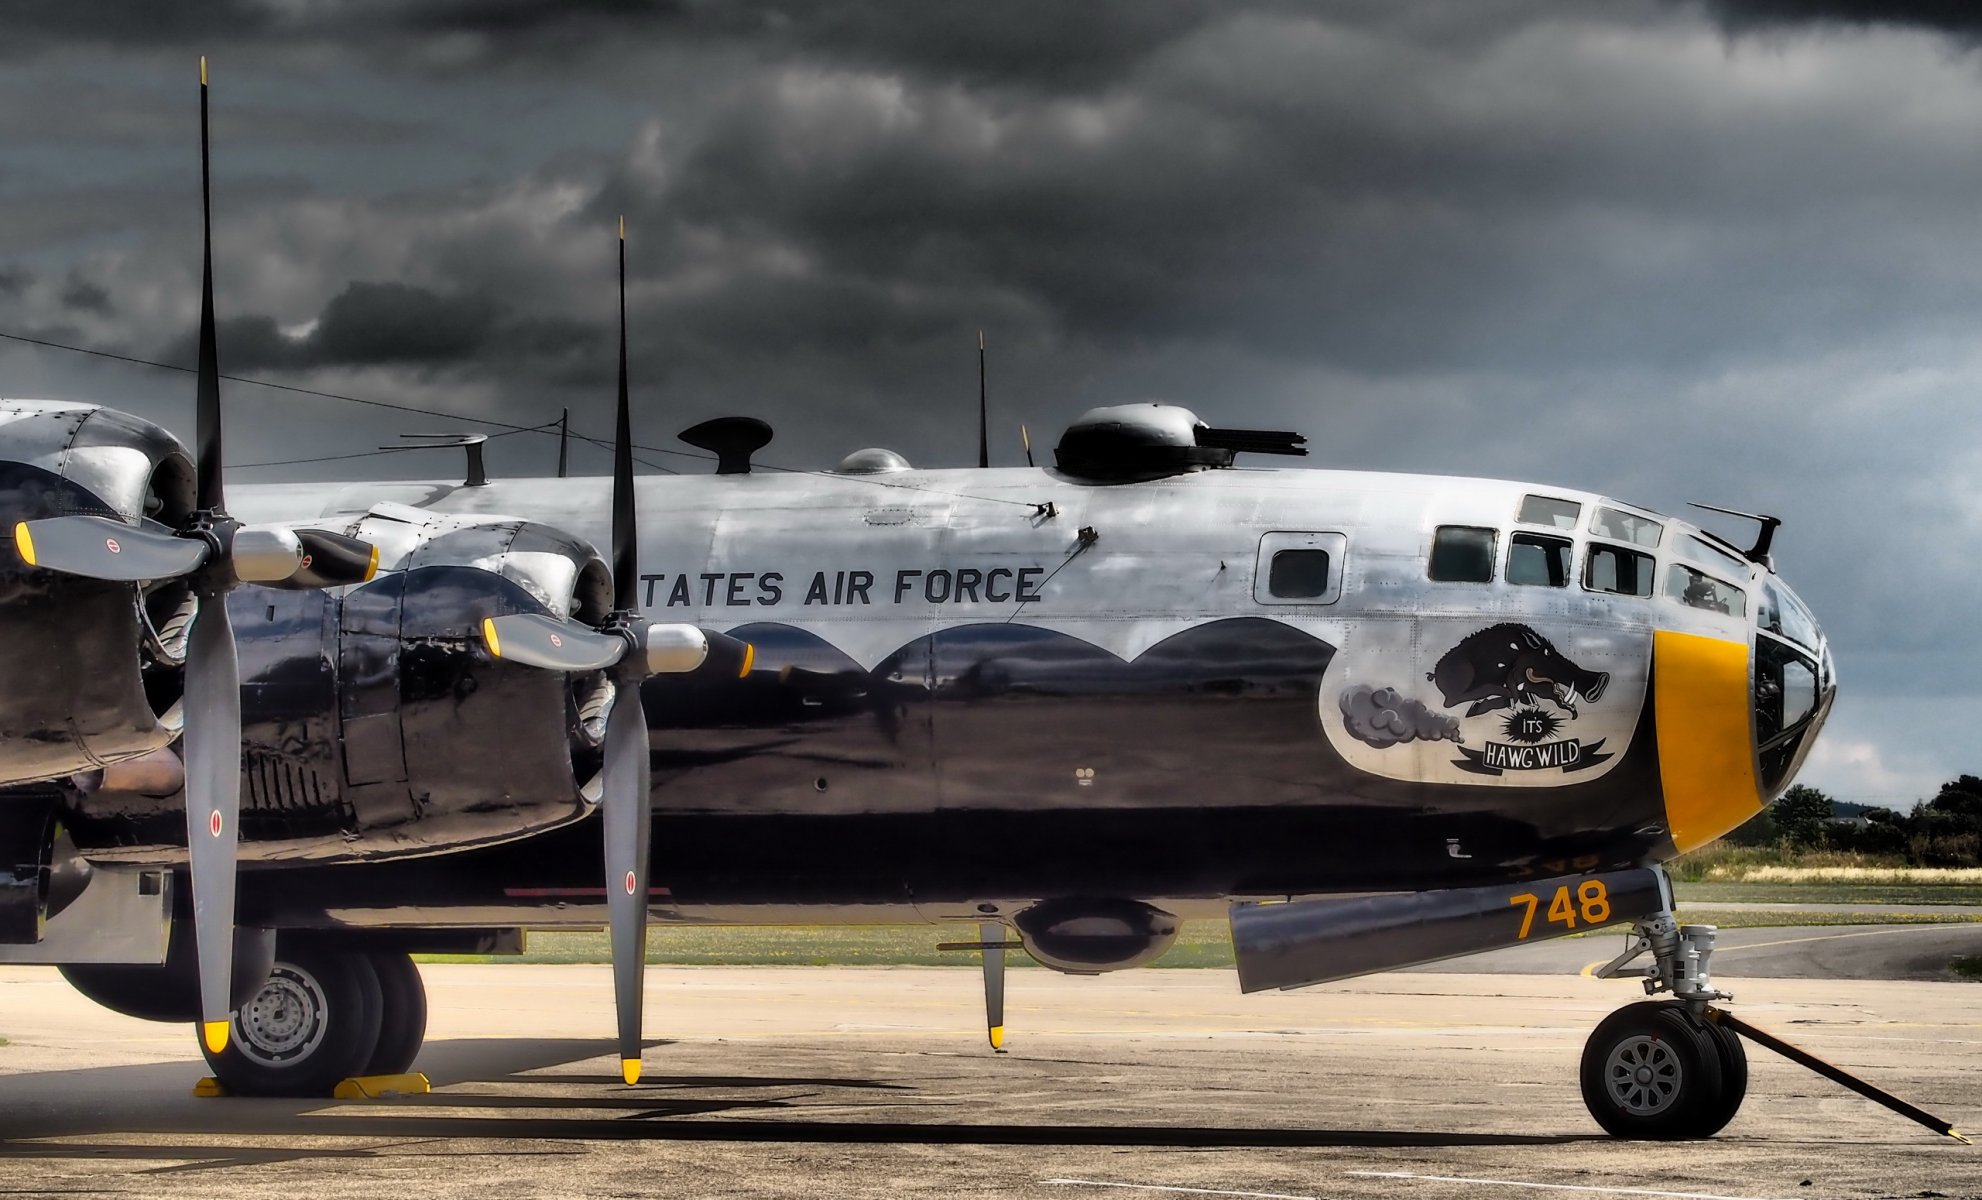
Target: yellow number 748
1591	902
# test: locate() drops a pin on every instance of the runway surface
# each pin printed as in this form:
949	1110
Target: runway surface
823	1082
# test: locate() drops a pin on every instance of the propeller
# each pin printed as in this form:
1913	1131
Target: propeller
630	648
993	937
215	554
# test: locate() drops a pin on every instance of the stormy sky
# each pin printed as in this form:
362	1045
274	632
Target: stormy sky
1671	250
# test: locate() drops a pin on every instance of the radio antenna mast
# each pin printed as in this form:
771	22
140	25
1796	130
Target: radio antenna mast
983	409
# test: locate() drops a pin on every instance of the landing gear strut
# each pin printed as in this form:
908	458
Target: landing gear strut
324	1015
1660	1069
1675	1068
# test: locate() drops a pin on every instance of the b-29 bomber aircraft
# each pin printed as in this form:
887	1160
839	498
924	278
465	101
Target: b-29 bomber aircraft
1371	719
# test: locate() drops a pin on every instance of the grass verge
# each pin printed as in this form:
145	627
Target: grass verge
1968	966
1201	944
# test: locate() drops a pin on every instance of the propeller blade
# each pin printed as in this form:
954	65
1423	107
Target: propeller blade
99	548
994	983
207	414
628	829
334	560
625	539
538	640
212	746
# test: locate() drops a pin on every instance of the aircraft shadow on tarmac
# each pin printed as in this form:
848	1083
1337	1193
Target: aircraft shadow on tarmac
108	1101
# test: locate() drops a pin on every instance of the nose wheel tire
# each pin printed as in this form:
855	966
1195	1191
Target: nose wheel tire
404	1024
1655	1072
314	1023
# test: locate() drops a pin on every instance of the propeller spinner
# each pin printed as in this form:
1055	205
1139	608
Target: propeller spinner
215	554
631	648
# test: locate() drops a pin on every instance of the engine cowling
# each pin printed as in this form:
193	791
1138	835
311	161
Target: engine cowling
375	723
81	689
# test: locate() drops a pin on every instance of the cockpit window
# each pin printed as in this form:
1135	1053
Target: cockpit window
1701	590
1783	615
1626	527
1549	511
1536	560
1463	554
1700	550
1617	570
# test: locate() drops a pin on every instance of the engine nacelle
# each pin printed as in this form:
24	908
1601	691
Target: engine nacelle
375	723
170	991
78	694
1088	937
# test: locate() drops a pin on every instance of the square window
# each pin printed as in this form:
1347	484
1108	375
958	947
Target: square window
1298	574
1463	554
1549	511
1617	570
1534	560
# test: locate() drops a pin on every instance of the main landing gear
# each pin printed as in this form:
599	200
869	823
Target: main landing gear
1675	1069
326	1014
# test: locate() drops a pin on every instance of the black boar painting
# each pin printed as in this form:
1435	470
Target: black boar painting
1506	665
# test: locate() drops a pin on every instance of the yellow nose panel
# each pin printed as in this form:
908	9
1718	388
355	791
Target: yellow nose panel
1706	752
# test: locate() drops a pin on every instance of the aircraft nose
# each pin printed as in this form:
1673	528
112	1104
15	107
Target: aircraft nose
1736	719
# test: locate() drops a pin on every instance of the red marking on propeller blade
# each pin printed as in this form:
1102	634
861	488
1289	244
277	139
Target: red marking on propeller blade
556	640
213	823
111	545
630	883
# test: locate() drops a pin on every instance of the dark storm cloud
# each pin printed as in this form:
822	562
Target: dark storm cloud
1960	17
81	294
394	324
1039	41
13	280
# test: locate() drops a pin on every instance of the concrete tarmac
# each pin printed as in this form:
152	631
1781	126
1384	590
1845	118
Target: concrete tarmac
826	1082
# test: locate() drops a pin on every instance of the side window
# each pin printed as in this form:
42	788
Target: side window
1617	570
1463	554
1534	560
1701	590
1300	568
1298	574
1549	511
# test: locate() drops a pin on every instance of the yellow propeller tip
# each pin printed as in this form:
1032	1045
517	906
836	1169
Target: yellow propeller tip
214	1034
749	660
622	227
997	1037
1956	1135
629	1070
489	636
24	542
203	84
372	568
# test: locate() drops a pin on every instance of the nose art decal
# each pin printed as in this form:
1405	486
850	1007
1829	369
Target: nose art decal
1515	708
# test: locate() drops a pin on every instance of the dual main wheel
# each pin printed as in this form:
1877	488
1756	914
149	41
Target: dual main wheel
1656	1071
324	1015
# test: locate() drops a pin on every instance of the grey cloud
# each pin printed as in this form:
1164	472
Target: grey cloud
80	294
14	280
395	324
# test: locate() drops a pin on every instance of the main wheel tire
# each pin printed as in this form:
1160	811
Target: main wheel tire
1733	1079
405	1017
314	1024
1650	1071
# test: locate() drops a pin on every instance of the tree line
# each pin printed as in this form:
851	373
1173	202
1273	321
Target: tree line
1944	831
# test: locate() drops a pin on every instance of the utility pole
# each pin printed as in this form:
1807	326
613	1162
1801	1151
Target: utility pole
563	444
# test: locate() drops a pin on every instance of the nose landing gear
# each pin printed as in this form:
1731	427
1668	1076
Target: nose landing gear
1676	1069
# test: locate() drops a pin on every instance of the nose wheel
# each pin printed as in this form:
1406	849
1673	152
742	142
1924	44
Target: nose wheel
1656	1071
